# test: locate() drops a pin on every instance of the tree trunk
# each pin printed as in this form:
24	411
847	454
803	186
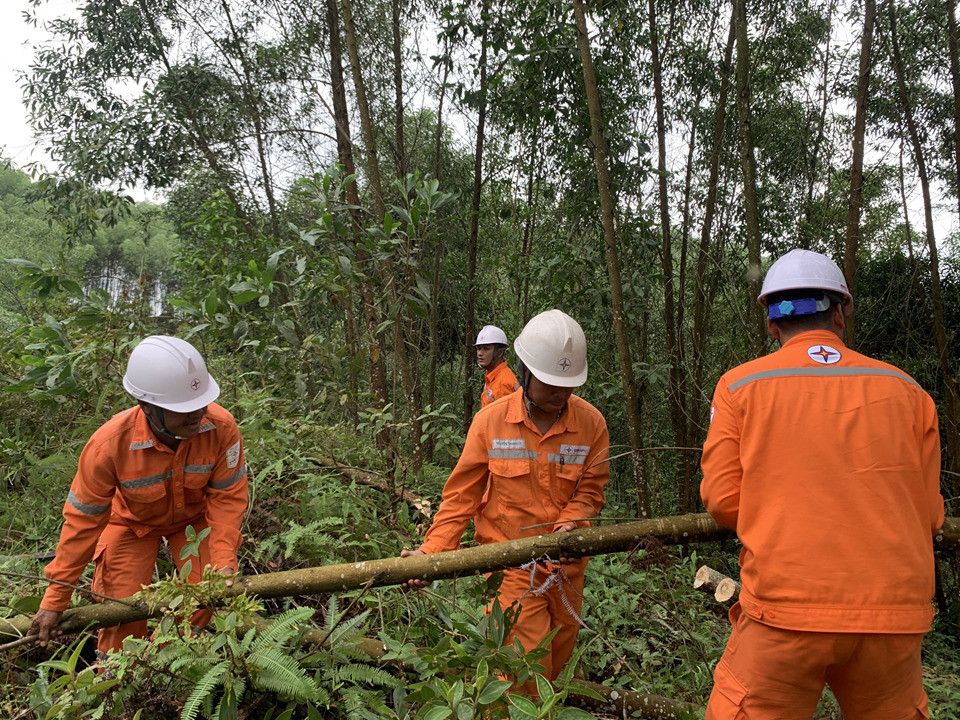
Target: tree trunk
373	168
378	375
702	300
366	120
856	170
469	354
398	91
750	205
955	79
677	390
613	261
945	356
438	253
814	173
529	224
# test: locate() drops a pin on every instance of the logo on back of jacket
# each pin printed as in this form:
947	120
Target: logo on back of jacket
823	354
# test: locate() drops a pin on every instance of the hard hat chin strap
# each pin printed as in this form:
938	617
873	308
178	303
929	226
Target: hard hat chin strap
162	427
528	402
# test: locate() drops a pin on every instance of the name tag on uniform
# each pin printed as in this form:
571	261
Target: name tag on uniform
579	450
508	444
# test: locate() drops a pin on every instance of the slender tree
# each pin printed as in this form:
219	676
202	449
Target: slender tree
613	261
469	355
856	169
751	206
944	352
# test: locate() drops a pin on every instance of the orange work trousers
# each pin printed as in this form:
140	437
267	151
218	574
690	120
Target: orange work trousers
540	614
124	564
768	673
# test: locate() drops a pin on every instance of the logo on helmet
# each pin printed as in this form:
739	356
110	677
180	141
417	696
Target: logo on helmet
564	364
195	385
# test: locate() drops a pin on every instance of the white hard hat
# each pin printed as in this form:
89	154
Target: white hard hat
170	373
804	269
491	335
553	347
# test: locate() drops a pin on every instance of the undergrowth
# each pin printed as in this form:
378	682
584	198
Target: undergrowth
646	630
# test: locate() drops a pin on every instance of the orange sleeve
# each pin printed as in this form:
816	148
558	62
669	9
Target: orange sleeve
227	500
588	499
462	493
85	514
930	444
722	470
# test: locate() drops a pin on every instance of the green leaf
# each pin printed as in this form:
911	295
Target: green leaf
493	691
572	713
438	713
544	688
245	296
523	704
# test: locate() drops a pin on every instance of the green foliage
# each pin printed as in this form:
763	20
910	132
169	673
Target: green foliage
67	690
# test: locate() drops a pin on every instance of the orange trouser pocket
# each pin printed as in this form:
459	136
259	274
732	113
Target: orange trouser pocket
726	700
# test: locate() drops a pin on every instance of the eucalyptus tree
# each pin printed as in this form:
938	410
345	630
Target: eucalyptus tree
856	170
914	130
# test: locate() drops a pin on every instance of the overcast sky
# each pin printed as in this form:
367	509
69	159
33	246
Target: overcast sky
15	137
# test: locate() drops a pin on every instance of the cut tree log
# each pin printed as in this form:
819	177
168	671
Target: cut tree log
723	588
707	579
439	566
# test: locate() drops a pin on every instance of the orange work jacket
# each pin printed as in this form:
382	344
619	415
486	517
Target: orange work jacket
498	383
827	464
127	476
510	476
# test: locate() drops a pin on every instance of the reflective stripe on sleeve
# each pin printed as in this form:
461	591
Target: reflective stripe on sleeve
144	481
828	371
224	484
84	508
512	454
198	468
143	445
566	459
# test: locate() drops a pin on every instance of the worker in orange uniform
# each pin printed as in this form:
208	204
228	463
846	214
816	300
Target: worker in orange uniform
499	380
535	462
827	464
173	460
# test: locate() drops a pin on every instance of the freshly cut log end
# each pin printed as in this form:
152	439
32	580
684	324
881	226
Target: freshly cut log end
707	579
728	590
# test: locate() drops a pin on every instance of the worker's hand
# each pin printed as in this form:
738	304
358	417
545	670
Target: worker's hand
414	583
229	573
44	626
566	527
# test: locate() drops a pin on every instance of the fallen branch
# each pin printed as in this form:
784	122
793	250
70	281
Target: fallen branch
439	566
415	501
393	571
626	703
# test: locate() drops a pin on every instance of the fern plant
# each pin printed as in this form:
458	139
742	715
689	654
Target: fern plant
343	671
236	660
